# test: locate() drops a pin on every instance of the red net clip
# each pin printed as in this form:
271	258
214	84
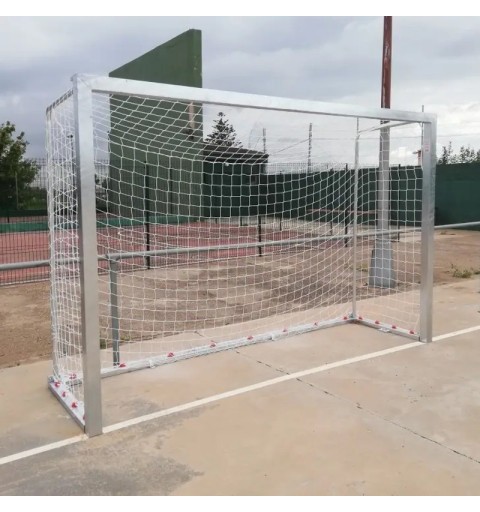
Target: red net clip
213	344
360	317
170	354
74	405
73	376
345	317
122	365
394	326
377	322
56	384
64	394
285	329
250	338
411	331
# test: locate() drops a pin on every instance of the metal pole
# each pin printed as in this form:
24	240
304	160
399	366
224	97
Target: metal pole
114	316
186	250
387	62
382	273
51	238
169	192
16	189
259	231
429	160
87	236
146	210
309	157
355	224
419	151
264	141
72	152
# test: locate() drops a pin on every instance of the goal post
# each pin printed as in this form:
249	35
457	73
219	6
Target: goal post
176	232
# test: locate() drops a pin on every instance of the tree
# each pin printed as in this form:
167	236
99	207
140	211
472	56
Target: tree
446	156
223	133
16	172
466	155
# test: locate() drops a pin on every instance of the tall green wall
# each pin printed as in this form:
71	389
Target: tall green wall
155	138
457	193
178	62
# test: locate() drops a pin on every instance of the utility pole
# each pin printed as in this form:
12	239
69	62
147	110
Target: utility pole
387	62
309	158
419	151
382	273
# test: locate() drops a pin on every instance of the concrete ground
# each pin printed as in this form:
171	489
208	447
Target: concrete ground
402	422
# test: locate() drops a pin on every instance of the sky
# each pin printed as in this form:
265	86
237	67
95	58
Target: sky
334	59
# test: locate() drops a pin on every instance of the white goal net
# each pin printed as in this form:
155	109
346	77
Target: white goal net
219	224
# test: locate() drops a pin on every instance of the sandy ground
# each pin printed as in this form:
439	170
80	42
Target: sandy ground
25	309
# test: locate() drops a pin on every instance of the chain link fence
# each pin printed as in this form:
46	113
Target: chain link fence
24	236
23	223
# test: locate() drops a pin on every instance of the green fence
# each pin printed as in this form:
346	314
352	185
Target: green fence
158	197
457	193
241	192
298	195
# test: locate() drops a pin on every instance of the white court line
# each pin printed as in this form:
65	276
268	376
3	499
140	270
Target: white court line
42	449
456	333
254	387
228	394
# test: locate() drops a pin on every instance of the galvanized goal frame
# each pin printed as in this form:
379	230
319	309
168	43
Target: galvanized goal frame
86	279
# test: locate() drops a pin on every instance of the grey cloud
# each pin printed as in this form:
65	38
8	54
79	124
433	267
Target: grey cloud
435	60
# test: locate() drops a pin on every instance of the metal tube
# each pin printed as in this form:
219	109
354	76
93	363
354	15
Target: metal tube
259	231
387	62
179	250
147	215
223	345
309	156
355	224
458	225
114	316
382	273
384	181
429	161
25	264
60	100
209	96
247	245
169	192
386	124
54	324
87	237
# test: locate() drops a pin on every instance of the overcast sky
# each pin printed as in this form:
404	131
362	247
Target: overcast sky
436	62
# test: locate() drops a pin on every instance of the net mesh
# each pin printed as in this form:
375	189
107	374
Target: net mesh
220	225
64	249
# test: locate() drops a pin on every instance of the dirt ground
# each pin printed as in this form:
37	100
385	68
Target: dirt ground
25	334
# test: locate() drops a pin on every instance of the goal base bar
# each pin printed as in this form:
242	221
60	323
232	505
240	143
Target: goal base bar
75	407
68	400
220	346
58	388
387	328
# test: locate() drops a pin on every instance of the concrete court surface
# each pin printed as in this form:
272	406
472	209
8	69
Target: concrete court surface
403	423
